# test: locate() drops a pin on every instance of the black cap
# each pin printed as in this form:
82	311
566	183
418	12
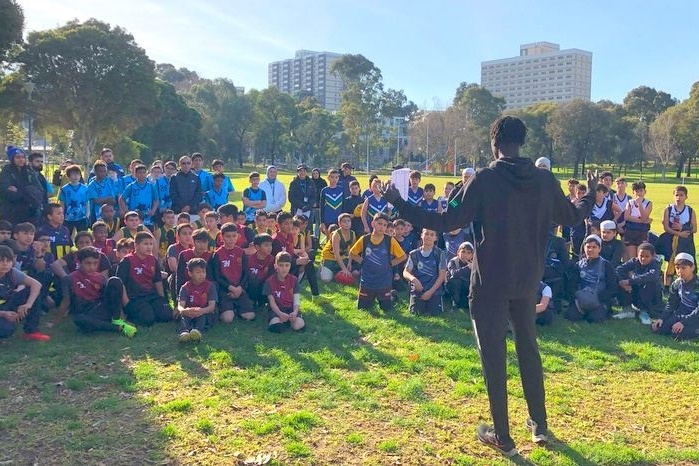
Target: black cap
302	166
347	165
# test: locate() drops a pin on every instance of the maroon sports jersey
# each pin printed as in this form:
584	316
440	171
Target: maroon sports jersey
230	263
284	242
184	257
198	295
87	286
283	291
259	269
72	264
139	274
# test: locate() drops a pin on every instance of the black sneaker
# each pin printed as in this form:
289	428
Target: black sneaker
487	436
538	435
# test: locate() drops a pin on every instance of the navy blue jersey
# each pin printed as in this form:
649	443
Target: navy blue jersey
331	204
140	198
415	197
426	268
75	200
376	271
97	190
59	238
452	242
430	206
376	206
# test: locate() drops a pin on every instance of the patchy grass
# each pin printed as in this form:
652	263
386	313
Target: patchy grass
354	388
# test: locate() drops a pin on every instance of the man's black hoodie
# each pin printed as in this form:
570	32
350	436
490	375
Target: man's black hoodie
512	204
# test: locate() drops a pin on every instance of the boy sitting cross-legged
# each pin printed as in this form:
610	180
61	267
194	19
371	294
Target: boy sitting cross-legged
681	316
282	291
144	295
335	253
18	299
228	271
640	285
378	254
426	271
94	301
197	299
200	249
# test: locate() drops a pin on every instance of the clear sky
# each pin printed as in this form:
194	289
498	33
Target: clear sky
424	48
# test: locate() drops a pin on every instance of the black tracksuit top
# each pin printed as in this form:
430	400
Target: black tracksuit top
512	204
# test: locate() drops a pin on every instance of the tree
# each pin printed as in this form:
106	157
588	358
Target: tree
275	117
646	104
182	79
361	100
536	117
238	117
11	26
482	107
210	98
662	137
577	131
315	131
175	129
90	78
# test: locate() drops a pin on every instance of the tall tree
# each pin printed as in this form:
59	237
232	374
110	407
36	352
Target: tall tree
646	103
11	26
209	97
662	137
90	78
577	130
315	131
175	129
275	117
238	118
536	117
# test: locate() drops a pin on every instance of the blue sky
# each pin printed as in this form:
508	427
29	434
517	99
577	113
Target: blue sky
424	48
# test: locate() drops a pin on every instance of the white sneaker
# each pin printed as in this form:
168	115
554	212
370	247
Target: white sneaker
644	317
624	314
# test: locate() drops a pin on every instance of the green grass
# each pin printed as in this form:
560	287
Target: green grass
354	388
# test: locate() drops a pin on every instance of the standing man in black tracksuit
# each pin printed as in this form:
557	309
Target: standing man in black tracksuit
512	204
185	189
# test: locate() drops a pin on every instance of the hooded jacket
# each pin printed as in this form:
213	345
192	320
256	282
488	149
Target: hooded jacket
301	189
275	192
512	204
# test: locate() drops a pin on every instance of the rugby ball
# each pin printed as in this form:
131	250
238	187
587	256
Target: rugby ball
344	279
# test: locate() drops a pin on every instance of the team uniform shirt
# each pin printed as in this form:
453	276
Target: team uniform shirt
253	195
425	266
452	242
282	242
199	295
59	237
635	211
108	248
346	244
126	233
430	206
24	260
259	269
75	200
621	202
9	282
331	204
216	199
283	291
128	179
185	256
350	205
377	205
174	250
85	288
415	197
376	271
141	197
683	301
112	226
99	189
162	186
407	244
72	264
228	267
139	275
206	180
167	239
443	201
602	212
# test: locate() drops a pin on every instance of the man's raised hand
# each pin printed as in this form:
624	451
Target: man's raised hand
389	191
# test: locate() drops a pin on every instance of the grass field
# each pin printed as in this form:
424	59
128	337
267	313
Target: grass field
354	388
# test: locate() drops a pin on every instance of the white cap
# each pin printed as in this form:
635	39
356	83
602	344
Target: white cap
595	238
468	171
543	162
607	225
683	256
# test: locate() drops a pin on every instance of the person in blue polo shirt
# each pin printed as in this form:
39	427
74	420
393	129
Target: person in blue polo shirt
140	196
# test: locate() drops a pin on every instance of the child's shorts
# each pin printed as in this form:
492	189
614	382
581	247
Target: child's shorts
431	307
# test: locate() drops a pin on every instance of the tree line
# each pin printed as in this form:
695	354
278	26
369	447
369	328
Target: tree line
93	86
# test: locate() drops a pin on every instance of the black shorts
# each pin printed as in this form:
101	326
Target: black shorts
271	315
366	298
241	305
635	237
431	307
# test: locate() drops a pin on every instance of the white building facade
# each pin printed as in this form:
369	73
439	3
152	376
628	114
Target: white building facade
541	73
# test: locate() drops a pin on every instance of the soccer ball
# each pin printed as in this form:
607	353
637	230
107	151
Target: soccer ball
326	274
344	279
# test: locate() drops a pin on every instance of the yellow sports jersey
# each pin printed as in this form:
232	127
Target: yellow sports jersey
358	248
345	245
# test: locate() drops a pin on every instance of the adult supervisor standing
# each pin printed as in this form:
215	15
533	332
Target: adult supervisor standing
512	204
185	189
274	190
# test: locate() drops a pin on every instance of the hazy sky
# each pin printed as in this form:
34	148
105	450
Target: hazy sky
424	48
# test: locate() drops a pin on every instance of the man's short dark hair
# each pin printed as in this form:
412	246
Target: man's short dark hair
6	226
35	155
283	216
201	235
48	211
261	238
89	252
229	227
25	227
228	210
6	253
218	176
196	263
508	130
